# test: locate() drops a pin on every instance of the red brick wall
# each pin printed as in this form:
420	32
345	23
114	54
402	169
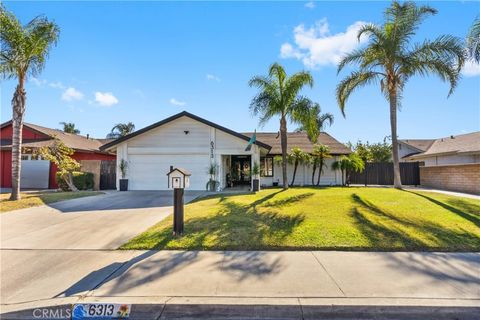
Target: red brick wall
461	178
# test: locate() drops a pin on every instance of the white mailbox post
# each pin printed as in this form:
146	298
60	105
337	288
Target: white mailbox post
178	180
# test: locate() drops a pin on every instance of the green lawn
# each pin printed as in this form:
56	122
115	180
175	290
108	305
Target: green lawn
34	199
327	218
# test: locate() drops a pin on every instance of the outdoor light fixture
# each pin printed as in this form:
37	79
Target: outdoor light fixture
186	132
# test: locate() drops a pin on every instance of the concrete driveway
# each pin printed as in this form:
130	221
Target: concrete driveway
100	222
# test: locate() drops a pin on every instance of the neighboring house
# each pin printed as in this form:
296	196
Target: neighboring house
451	163
188	141
410	147
40	174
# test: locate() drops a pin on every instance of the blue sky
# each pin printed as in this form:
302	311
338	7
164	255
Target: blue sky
144	61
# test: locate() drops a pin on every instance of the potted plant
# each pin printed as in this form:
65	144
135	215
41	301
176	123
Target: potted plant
123	166
255	174
212	183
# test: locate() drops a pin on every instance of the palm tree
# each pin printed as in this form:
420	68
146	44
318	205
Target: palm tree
391	60
279	96
121	130
320	120
473	41
349	163
296	156
24	51
69	127
321	153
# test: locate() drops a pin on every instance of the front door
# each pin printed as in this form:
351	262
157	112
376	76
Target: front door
240	170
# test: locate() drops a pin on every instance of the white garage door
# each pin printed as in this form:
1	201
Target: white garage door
34	174
149	172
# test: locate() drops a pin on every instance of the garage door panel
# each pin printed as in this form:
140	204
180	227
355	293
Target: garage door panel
34	174
149	172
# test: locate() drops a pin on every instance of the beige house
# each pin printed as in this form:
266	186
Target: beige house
451	163
187	141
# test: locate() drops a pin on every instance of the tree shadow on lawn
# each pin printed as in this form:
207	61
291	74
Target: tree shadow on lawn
462	208
289	200
234	226
391	233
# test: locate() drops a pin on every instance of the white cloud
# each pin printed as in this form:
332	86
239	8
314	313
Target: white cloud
213	77
106	99
57	85
72	94
471	69
316	46
175	102
38	82
310	5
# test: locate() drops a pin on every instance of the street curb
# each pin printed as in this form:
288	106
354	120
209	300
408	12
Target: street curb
177	311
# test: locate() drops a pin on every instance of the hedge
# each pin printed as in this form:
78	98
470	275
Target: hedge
81	180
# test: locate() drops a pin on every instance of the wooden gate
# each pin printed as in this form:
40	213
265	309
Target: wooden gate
108	176
381	173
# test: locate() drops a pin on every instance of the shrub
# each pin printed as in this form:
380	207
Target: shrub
81	180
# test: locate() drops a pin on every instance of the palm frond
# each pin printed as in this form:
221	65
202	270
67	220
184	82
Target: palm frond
295	83
372	31
24	50
354	81
278	72
403	19
473	41
445	57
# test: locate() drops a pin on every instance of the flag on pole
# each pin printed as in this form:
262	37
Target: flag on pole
251	141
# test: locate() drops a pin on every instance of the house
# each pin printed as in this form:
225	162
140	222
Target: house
188	141
409	147
40	174
450	163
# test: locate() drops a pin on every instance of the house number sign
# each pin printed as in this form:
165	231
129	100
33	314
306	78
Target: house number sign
212	147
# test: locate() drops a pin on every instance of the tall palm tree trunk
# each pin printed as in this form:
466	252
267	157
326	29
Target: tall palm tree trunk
18	106
313	173
320	169
294	173
283	138
397	182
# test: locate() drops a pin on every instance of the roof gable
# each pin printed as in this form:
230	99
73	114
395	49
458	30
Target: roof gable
418	144
183	171
177	116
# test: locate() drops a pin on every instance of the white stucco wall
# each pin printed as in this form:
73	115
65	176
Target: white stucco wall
450	159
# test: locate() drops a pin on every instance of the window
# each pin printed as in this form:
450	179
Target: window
266	167
31	157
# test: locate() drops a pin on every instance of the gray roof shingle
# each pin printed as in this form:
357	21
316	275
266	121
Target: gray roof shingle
300	140
464	143
74	141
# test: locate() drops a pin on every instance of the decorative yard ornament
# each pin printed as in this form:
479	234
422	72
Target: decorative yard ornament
178	180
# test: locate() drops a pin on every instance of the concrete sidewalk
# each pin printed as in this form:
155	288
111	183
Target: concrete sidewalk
31	278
